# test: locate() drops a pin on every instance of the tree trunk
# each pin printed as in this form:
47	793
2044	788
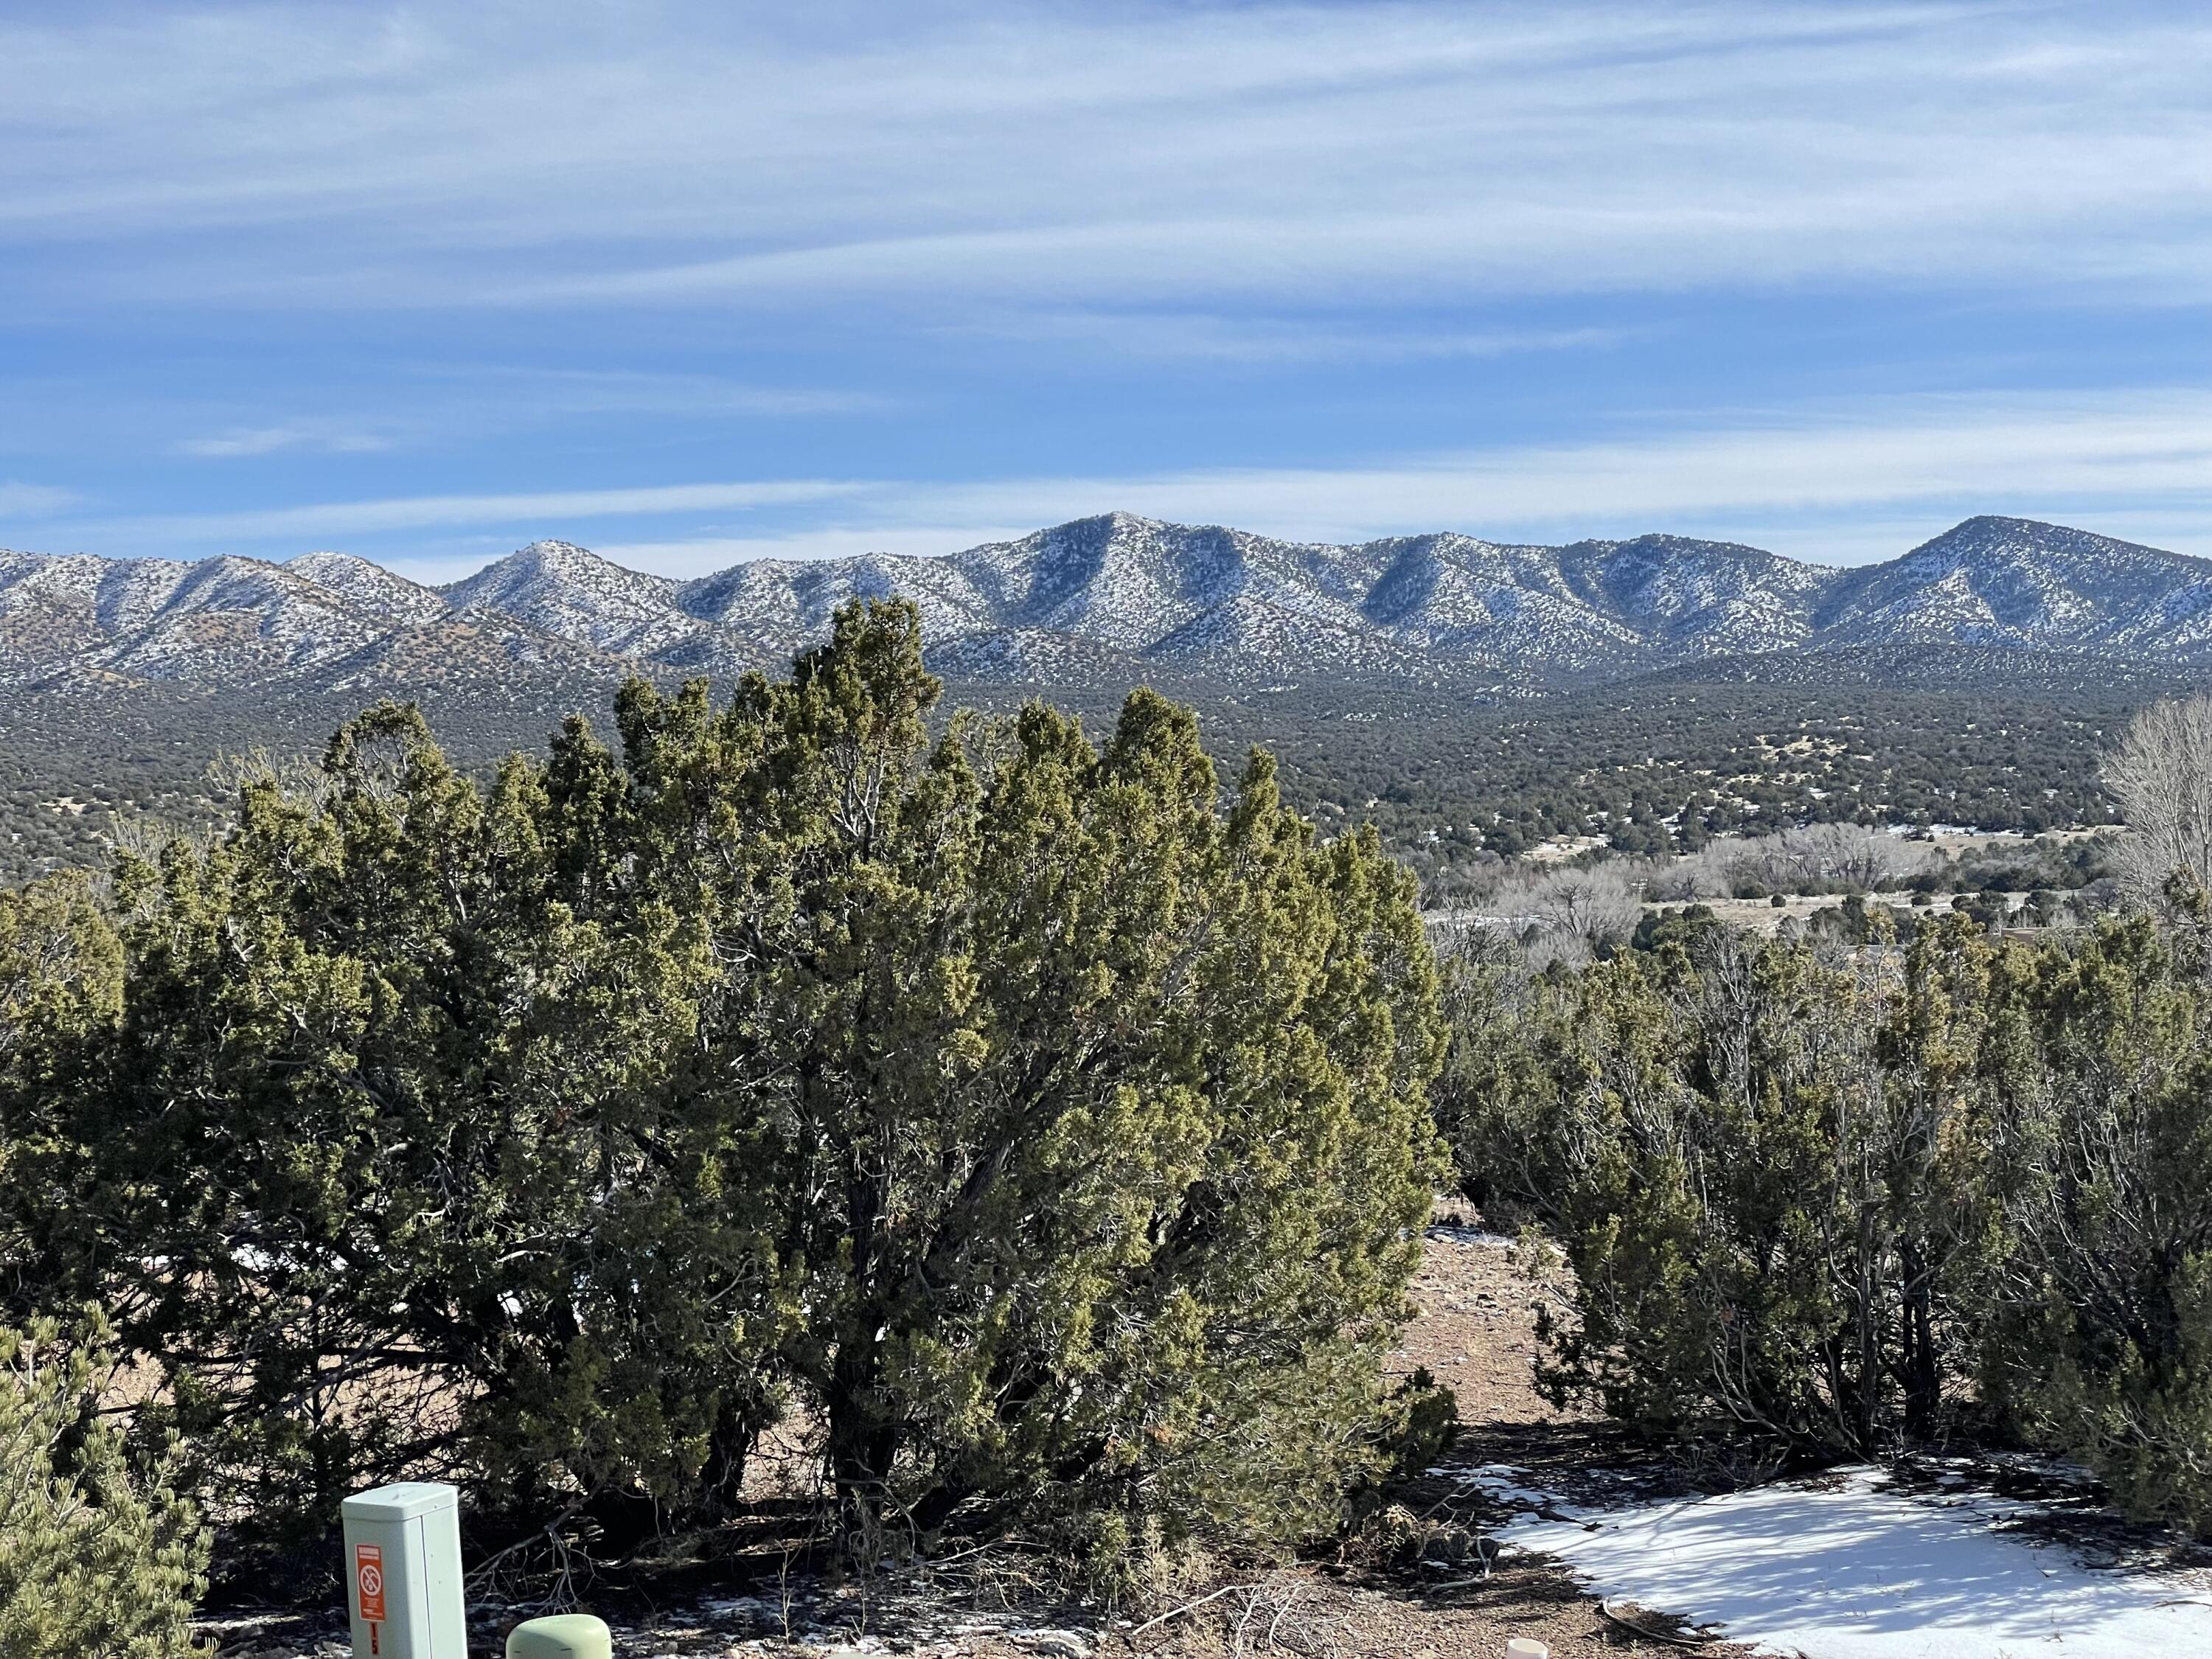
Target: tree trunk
1924	1382
729	1444
1869	1332
862	1446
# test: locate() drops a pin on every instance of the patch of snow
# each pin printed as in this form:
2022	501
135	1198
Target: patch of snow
1458	1235
1848	1567
1502	1484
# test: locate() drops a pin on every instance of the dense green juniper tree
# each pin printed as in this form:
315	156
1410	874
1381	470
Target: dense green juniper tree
2093	1295
1046	1132
359	1160
1079	1122
1735	1151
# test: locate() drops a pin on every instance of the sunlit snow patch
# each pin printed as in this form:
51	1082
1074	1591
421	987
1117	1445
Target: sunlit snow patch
1848	1568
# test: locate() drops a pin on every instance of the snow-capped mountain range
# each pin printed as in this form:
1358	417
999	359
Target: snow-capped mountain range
1106	598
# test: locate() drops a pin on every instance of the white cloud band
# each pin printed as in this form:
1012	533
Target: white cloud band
2138	464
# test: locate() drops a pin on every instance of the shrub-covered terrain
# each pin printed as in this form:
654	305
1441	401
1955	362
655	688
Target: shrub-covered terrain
1651	766
1041	1140
1846	1198
1026	1131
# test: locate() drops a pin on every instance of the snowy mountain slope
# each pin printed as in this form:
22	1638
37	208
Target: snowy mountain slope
53	608
2015	582
216	620
573	593
1699	597
1132	583
1113	596
368	586
1502	607
773	603
326	618
234	619
1247	632
473	646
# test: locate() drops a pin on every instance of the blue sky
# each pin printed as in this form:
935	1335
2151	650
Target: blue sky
692	283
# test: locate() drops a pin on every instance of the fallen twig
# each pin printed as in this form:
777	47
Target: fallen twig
1189	1607
1280	1611
548	1535
1643	1626
1251	1606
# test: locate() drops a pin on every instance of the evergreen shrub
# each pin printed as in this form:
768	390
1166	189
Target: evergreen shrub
98	1557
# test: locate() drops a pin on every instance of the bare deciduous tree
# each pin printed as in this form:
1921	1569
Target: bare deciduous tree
2162	772
1816	858
1593	908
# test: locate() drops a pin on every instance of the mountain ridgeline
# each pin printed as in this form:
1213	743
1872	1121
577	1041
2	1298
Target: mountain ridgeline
1107	601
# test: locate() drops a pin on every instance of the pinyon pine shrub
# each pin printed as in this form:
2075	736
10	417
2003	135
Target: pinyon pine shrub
99	1558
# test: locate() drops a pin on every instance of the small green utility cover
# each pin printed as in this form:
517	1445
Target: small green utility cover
564	1636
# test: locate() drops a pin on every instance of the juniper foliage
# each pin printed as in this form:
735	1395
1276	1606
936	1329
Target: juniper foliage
1043	1127
1852	1200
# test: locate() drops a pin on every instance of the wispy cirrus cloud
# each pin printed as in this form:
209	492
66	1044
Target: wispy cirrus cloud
1215	338
325	521
2076	449
957	156
515	390
1846	486
428	404
908	276
273	439
31	501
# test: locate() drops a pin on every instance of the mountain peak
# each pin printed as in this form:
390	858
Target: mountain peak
1118	588
545	565
1995	532
574	594
1992	579
1113	523
366	584
555	559
556	553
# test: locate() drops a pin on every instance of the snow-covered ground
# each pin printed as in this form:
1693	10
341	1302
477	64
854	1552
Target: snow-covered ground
1851	1566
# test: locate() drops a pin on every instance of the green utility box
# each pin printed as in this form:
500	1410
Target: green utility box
403	1572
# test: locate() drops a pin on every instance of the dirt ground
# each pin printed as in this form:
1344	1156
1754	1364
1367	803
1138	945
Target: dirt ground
1442	1592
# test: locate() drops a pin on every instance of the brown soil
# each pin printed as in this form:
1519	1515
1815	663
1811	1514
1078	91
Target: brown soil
1475	1332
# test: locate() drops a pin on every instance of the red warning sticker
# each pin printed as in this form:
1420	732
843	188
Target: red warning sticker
368	1581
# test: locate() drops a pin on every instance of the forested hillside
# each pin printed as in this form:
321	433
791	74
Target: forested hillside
1649	766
